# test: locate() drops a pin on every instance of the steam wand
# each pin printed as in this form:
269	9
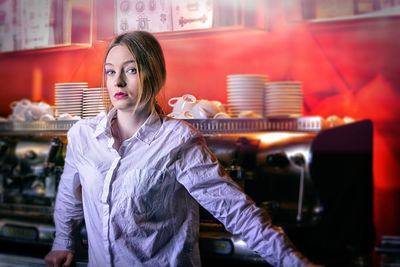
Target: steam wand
299	160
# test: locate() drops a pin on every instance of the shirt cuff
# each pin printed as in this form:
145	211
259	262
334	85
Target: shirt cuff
295	258
63	244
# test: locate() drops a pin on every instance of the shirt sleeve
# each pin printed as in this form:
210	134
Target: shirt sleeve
68	212
199	171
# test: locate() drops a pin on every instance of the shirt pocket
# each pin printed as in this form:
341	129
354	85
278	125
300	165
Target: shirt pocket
143	191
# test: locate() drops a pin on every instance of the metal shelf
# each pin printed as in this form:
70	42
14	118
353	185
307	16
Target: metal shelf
215	126
206	126
35	127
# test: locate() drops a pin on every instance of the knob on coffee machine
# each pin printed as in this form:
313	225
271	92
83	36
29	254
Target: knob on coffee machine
298	159
277	160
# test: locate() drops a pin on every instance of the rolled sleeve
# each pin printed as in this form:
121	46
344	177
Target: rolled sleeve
68	212
200	173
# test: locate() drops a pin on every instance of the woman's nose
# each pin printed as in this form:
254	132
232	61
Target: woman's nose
120	81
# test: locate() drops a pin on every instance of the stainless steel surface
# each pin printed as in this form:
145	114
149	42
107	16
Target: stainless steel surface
8	260
35	127
206	126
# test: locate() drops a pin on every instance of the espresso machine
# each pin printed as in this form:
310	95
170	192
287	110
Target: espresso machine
315	183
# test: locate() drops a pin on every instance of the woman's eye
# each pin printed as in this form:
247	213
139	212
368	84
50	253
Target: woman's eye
132	70
110	72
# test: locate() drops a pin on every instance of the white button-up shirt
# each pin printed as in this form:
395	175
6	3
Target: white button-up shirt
140	204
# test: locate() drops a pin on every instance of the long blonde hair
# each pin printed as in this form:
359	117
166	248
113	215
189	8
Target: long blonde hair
150	62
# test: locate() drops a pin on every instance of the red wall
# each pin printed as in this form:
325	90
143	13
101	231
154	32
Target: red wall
348	69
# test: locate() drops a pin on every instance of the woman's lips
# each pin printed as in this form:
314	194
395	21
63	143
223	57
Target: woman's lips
120	95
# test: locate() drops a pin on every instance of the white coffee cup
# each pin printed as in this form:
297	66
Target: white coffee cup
248	114
199	113
221	115
68	117
183	103
205	109
220	106
181	115
47	117
65	117
19	107
35	111
15	117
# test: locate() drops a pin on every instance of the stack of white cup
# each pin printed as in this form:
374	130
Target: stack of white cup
25	110
188	107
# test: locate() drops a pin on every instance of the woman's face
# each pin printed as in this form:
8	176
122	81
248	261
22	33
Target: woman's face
122	79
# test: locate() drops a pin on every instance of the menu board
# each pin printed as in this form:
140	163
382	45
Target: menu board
189	14
24	25
35	23
163	15
151	15
6	25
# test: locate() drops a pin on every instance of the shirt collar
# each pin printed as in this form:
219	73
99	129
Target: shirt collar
146	133
103	127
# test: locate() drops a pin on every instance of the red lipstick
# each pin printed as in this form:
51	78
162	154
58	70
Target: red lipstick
120	95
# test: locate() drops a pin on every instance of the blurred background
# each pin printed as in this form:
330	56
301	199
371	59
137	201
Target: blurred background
344	52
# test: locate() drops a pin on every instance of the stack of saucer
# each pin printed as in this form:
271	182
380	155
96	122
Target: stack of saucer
93	102
246	93
283	99
68	98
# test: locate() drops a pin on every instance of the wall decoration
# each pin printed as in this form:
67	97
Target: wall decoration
147	15
163	15
6	26
44	24
35	24
192	14
25	26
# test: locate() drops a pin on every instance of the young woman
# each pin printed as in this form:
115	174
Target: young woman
136	178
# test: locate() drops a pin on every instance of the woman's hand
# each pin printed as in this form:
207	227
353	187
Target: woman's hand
57	258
